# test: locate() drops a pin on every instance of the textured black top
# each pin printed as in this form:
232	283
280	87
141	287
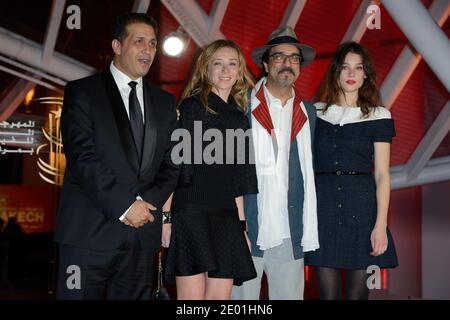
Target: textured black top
220	182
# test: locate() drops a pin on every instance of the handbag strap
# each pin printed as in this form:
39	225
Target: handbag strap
160	269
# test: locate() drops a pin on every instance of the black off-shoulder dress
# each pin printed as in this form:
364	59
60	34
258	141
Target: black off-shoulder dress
346	200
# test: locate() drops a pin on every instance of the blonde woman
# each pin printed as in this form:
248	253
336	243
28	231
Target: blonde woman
208	245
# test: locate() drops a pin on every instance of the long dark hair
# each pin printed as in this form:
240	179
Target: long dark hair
368	94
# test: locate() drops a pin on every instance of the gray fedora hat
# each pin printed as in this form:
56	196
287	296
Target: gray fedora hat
283	35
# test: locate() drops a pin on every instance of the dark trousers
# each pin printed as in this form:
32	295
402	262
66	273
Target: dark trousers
124	273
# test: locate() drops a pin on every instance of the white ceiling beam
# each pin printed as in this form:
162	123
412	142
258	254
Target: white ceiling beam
140	6
408	60
193	20
217	13
24	50
358	26
432	139
424	34
398	76
436	170
33	71
53	25
196	23
292	13
14	98
28	77
419	169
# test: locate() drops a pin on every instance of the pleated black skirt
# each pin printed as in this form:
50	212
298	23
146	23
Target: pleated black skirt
207	239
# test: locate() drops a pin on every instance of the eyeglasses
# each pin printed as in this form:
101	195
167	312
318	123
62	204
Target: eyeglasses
278	57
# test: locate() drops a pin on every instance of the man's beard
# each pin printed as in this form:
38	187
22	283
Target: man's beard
285	79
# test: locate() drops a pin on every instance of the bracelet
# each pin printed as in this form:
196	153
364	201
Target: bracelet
244	225
166	217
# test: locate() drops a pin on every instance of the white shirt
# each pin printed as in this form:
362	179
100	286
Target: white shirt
279	181
272	202
122	81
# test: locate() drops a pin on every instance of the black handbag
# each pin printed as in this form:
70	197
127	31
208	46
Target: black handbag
160	293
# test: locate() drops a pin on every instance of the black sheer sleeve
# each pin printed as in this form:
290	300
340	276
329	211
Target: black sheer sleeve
245	181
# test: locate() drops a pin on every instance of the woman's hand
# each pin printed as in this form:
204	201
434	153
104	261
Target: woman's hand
379	241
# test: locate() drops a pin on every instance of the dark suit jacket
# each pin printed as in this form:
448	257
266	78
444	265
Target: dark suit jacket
103	174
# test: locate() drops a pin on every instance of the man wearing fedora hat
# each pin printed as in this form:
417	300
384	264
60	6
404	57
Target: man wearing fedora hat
282	218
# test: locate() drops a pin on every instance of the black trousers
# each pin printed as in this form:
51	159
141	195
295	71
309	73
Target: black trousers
124	273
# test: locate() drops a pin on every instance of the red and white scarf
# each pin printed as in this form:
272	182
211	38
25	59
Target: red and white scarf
264	135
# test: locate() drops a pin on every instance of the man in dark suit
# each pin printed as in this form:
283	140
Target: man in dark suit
116	132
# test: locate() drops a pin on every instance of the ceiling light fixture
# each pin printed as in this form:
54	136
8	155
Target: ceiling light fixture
175	43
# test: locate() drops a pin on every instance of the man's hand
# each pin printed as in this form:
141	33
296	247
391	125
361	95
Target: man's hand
128	223
139	214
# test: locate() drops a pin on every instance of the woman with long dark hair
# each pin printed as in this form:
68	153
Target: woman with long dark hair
352	158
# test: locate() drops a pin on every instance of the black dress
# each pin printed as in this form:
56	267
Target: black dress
346	203
206	232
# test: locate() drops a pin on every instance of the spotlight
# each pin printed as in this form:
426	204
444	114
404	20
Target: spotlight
29	97
175	43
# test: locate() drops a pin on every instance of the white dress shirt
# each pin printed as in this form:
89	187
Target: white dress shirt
122	81
279	182
272	169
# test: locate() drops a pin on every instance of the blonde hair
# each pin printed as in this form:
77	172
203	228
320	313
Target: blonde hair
199	82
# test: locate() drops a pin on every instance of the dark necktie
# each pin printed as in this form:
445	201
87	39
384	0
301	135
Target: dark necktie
137	124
